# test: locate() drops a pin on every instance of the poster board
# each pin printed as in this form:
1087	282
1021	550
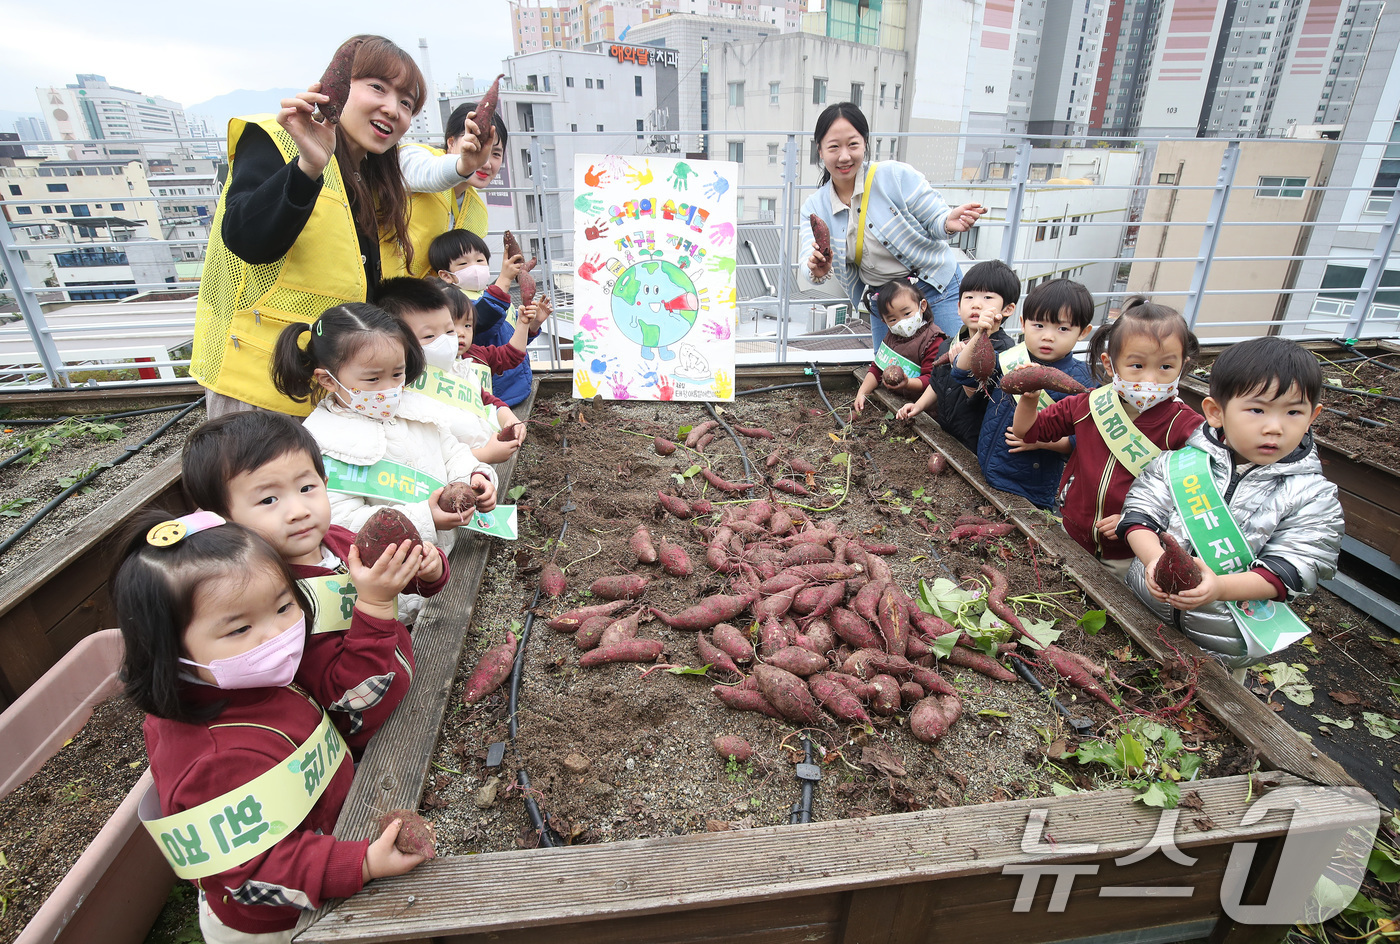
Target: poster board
654	287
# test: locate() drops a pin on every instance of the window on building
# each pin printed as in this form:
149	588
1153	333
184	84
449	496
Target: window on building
600	127
587	83
774	90
641	126
772	154
1055	230
600	84
882	94
568	81
1040	234
768	205
1289	187
573	127
81	209
637	85
1074	225
896	96
59	209
25	211
546	83
14	190
736	151
58	188
819	91
736	94
46	209
857	94
1166	178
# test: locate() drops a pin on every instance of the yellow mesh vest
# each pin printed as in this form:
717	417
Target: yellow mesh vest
242	308
429	216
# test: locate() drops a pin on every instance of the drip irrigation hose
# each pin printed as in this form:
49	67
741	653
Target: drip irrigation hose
93	417
16	457
743	453
1363	420
81	483
1351	346
791	386
809	774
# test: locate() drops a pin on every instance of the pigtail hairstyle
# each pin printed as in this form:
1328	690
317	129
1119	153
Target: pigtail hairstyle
1140	316
153	589
886	294
378	194
332	339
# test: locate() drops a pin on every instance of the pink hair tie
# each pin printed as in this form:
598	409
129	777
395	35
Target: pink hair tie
171	532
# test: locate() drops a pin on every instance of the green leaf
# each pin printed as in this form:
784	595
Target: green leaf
1290	680
1346	724
943	645
687	670
1093	621
1189	764
1060	790
513	494
1161	794
1380	726
1043	630
841	458
683	430
943	597
1148	731
1384	866
1097	752
918	492
1130	753
993	713
691	472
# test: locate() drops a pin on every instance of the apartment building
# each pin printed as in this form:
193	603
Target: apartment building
93	109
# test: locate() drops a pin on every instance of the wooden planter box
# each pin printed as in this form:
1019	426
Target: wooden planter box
119	884
59	596
925	876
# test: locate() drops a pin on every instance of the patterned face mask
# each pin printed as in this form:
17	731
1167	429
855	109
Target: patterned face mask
1143	395
376	404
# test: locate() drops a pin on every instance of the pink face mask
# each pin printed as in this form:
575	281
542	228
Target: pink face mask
272	664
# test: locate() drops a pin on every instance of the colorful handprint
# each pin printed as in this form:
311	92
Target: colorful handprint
722	235
717	331
591	323
596	231
723	264
681	174
587	203
594	177
584	385
640	178
724	385
665	390
717	187
620	387
583	345
590	267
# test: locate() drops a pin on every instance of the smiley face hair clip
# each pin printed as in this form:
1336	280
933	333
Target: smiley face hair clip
171	532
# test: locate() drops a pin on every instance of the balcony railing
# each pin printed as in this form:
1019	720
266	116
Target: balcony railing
1252	256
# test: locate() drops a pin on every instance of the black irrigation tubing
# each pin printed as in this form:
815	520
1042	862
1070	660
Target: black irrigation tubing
1360	393
16	457
1364	421
72	489
802	809
1351	346
94	417
743	453
791	386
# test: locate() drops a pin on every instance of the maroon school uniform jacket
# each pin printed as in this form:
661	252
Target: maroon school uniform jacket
1095	483
362	674
257	729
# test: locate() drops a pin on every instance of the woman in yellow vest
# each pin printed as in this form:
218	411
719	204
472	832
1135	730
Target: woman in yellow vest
445	200
298	225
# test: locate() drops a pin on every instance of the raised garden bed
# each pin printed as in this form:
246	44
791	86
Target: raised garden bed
766	882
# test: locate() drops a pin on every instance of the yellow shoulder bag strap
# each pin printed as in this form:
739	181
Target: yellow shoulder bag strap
864	205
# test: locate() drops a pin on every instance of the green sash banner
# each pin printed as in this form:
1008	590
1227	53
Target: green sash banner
1020	356
1267	625
1128	445
478	371
498	522
334	597
885	359
245	822
458	392
387	480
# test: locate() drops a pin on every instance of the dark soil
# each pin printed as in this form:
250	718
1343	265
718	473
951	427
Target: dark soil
52	817
624	751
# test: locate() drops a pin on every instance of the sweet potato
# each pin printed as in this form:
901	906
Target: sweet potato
643	546
877	569
485	112
713	655
910	693
732	747
864	663
701	507
983	357
837	699
618	630
821	236
416	836
791	487
528	286
704	441
810	553
819	637
458	498
780	523
753	432
893	377
664	447
931	718
931	682
980	662
1039	377
937	463
492	669
619	587
698	430
867	599
772	637
886	700
930	625
1075	674
1176	571
742	699
733	642
776	605
629	650
590	634
773	459
798	661
979	533
386	528
799	464
1084	662
996	602
723	485
676	506
826	570
706	613
571	620
853	629
335	81
552	582
674	560
890	617
787	693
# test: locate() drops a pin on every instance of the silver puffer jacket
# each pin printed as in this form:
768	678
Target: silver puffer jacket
1287	511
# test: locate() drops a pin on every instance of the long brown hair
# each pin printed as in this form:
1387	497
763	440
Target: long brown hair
377	185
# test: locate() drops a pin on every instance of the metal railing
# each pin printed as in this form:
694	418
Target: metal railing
137	331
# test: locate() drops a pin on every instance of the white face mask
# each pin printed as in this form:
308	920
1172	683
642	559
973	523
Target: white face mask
376	404
473	278
442	351
1143	395
908	327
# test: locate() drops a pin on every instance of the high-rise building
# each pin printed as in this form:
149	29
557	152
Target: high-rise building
1057	45
537	25
94	110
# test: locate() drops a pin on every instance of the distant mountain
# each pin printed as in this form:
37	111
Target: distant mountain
219	109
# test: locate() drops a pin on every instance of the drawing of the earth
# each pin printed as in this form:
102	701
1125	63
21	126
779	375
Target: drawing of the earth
654	303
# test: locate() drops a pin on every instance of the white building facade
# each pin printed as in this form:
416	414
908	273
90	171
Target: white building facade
93	109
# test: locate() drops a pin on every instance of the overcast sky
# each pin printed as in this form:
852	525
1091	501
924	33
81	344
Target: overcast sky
191	52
